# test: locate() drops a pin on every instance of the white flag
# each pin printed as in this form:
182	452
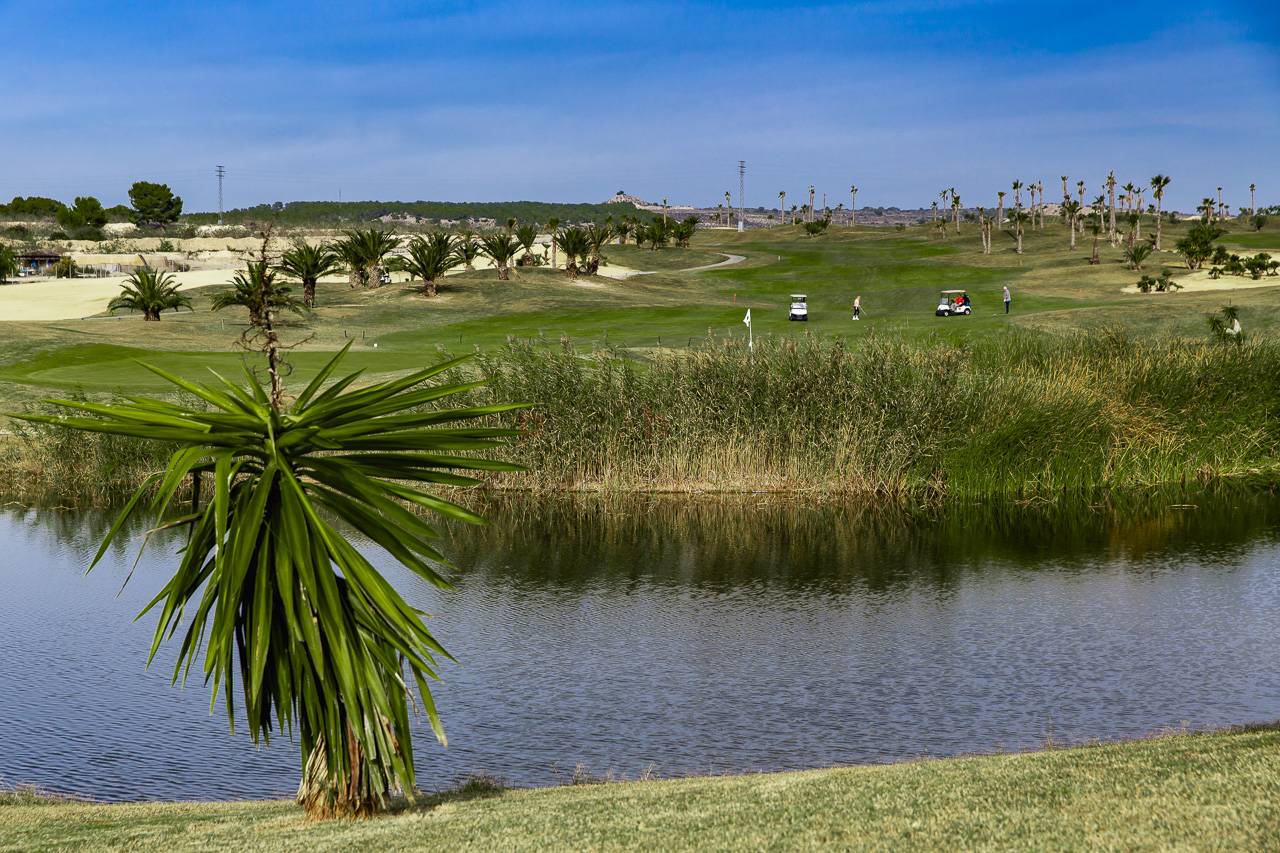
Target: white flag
747	319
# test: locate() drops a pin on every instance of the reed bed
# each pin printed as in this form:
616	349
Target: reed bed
1024	415
1021	416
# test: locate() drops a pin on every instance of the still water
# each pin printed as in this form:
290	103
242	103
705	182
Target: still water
675	638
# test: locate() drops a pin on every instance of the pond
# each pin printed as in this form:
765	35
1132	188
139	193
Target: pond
672	637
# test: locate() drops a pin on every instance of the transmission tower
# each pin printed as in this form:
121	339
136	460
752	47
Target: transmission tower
221	172
742	183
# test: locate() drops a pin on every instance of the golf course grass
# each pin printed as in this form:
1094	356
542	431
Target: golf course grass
898	275
1218	790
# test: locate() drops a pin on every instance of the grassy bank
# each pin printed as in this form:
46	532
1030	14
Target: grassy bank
1219	790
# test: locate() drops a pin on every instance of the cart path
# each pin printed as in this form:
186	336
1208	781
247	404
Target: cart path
729	260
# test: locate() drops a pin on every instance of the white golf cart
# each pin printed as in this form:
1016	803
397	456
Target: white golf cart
799	307
953	303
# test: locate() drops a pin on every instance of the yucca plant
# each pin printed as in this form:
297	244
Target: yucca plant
257	290
149	291
308	264
271	601
430	258
597	236
500	248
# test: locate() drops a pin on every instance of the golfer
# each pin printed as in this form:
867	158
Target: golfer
857	307
1007	299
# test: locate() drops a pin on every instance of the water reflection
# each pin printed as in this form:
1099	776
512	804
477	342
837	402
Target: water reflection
697	637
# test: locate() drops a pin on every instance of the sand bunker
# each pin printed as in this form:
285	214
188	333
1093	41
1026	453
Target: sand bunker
1198	281
74	298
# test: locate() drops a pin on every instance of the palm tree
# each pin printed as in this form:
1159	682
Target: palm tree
1111	205
553	224
1136	253
364	252
683	230
853	205
1253	204
1095	225
257	291
468	248
1158	183
933	211
308	264
1129	190
782	207
430	258
1206	209
272	600
8	263
1019	218
624	229
1017	195
1071	210
1220	207
598	235
150	292
955	210
1065	195
511	224
500	248
728	208
576	244
526	235
1000	208
809	216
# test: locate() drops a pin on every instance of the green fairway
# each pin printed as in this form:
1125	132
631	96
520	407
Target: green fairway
1214	790
898	275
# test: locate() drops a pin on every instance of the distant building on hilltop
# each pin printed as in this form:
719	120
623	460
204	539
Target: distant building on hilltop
622	198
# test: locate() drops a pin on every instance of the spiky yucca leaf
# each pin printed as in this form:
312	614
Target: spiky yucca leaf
270	601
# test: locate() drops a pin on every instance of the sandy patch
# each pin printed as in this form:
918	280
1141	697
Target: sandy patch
1199	281
75	298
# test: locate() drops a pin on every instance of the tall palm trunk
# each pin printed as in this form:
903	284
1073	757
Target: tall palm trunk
309	292
1018	233
999	209
1111	206
1072	225
1159	223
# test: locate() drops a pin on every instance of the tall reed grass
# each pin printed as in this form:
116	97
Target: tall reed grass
1018	416
1022	414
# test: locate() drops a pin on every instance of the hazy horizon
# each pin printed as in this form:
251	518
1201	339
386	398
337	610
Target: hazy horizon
499	102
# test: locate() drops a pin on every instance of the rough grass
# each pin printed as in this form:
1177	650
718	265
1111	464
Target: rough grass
1218	790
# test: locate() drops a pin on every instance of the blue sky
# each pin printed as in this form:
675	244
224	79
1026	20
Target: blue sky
573	101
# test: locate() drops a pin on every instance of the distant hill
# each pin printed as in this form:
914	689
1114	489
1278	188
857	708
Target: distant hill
340	213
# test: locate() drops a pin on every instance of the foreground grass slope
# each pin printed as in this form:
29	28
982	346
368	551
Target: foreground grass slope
1218	790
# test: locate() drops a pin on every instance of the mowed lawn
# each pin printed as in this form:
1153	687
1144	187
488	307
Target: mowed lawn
1218	791
898	274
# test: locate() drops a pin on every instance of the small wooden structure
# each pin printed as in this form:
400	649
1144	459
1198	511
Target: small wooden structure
38	262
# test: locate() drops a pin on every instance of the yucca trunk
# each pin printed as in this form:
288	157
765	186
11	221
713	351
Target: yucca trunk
323	800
